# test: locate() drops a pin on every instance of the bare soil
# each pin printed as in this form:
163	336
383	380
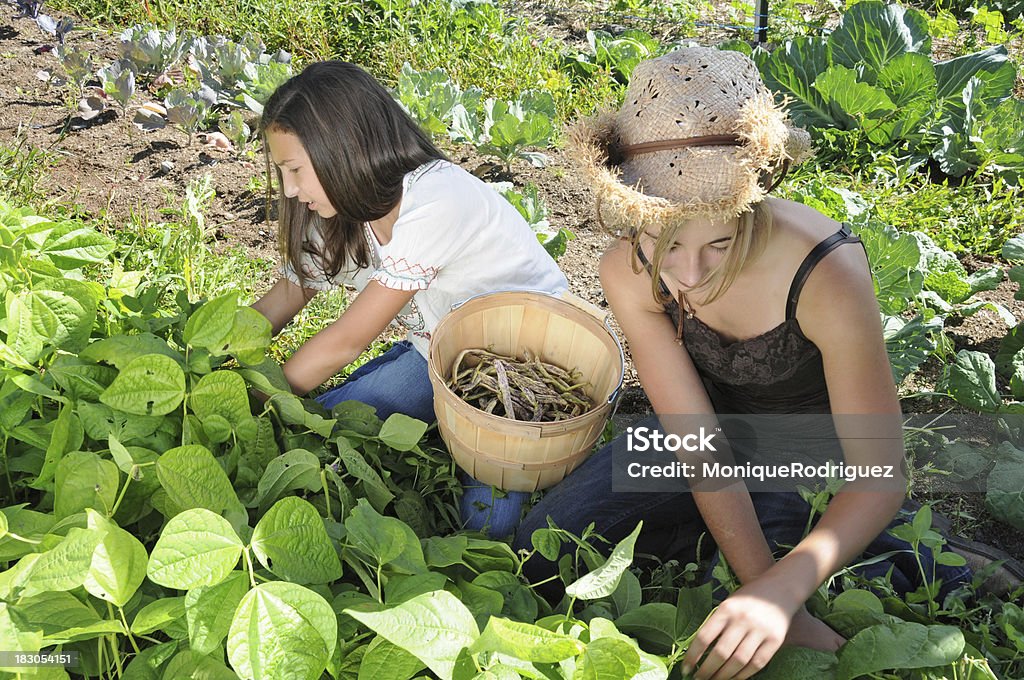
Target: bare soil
110	170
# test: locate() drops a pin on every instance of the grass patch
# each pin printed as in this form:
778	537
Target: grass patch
21	167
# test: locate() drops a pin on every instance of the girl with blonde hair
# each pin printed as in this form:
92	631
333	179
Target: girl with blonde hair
734	302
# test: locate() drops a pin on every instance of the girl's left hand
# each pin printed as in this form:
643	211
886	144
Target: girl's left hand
741	636
809	631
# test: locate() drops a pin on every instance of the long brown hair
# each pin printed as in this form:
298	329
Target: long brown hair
360	143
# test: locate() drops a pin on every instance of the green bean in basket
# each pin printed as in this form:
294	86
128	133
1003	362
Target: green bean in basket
525	389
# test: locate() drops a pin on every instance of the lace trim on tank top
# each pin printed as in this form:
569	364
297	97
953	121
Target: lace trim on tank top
774	356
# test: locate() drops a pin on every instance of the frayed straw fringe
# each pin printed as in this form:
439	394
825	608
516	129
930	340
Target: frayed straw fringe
763	130
768	140
625	206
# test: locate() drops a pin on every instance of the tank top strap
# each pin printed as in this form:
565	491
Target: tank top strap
647	265
830	243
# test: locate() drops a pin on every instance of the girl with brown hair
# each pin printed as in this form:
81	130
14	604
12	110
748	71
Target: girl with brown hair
368	201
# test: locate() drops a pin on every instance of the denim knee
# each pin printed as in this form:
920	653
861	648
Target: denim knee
488	509
394	382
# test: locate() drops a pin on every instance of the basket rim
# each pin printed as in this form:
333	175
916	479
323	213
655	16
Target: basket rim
436	377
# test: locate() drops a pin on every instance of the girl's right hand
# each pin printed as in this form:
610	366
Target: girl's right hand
741	635
746	631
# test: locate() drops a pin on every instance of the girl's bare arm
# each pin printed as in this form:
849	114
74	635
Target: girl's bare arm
749	627
838	311
343	341
282	302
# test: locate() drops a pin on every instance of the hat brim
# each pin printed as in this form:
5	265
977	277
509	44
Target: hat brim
670	186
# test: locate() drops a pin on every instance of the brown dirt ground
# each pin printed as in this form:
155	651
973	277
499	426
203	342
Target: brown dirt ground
110	170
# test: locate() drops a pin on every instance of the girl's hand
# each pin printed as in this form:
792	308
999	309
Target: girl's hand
741	636
809	631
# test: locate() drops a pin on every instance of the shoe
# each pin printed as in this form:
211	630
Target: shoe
1002	574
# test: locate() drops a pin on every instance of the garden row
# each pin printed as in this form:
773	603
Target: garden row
166	527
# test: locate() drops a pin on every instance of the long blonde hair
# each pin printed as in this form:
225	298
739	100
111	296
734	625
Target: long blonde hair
748	240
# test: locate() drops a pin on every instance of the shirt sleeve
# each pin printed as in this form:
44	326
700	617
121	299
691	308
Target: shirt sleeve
430	232
313	278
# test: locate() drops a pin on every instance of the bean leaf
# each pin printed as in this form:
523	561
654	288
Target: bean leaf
210	609
295	469
290	541
197	548
607	657
65	566
191	664
84	480
434	627
118	564
386	660
525	641
121	350
70	245
150	385
692	607
653	623
193	478
221	393
605	579
249	337
282	630
211	324
799	663
386	539
899	645
159	615
401	432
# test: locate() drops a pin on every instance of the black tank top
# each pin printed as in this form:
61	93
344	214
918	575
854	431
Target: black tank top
778	371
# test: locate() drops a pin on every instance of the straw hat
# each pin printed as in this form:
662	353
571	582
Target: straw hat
698	135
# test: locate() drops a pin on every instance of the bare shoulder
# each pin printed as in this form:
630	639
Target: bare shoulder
839	295
800	227
615	258
621	284
844	268
840	283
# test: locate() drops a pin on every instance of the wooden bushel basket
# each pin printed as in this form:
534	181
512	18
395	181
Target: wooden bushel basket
565	331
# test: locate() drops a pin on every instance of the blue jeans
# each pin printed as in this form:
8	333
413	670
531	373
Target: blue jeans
673	525
488	509
397	381
394	382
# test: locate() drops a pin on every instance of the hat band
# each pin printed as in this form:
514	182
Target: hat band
628	151
768	180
